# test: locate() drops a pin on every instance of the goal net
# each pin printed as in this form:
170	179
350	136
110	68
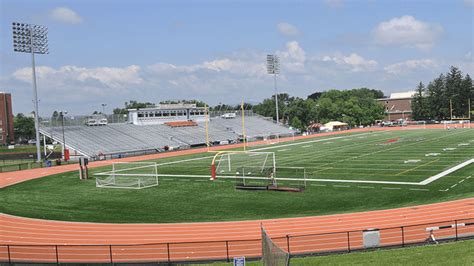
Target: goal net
414	125
129	175
248	164
455	124
272	254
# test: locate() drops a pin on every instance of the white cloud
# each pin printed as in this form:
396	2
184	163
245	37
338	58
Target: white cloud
408	32
410	65
334	3
292	59
468	56
353	62
288	30
101	77
66	15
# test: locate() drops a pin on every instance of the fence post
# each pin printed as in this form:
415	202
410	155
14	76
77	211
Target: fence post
403	236
9	256
288	243
57	255
110	253
168	251
348	242
456	227
227	250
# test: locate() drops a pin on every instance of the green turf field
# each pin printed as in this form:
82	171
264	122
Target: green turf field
453	253
344	173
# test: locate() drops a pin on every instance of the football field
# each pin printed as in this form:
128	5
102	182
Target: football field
341	173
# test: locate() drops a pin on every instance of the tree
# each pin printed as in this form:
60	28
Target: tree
437	103
419	103
455	94
267	107
24	128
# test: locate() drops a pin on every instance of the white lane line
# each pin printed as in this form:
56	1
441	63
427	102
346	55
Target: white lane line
340	186
420	189
391	188
364	187
454	185
461	181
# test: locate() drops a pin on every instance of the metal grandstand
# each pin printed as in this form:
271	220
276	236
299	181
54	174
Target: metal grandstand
125	139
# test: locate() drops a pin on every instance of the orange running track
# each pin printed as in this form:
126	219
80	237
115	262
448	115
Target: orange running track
26	239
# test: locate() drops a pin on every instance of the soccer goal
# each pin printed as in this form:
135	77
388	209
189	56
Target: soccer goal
129	175
455	124
415	125
243	163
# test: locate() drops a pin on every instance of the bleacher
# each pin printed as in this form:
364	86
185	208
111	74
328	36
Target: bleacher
129	138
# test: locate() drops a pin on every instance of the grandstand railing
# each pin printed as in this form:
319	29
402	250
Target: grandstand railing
225	250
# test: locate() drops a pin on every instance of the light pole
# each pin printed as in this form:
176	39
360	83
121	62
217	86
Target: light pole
273	67
103	108
33	39
62	113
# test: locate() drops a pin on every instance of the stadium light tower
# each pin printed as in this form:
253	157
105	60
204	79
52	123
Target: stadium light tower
33	39
273	67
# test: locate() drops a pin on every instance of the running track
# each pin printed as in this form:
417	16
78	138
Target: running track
227	238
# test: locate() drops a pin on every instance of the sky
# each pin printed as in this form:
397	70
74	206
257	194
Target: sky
110	52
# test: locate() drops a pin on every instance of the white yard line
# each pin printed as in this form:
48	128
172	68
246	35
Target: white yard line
446	172
307	142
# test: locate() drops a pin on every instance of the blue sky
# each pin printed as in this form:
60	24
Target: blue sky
115	51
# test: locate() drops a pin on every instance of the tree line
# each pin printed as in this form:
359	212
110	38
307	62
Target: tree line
355	107
445	97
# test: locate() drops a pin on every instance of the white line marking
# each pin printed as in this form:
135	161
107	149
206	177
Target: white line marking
364	187
317	185
391	188
461	181
310	141
340	186
419	189
306	146
454	185
446	172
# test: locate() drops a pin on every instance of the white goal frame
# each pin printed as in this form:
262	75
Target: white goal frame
454	124
269	157
136	180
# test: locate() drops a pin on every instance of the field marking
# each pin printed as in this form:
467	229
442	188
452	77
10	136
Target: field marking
391	188
462	180
420	189
446	172
364	187
421	165
307	142
340	186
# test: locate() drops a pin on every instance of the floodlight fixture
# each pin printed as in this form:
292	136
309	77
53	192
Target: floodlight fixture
273	68
33	39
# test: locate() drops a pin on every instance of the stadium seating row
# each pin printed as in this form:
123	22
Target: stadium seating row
125	138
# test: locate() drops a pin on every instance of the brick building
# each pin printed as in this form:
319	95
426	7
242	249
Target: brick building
6	119
398	106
